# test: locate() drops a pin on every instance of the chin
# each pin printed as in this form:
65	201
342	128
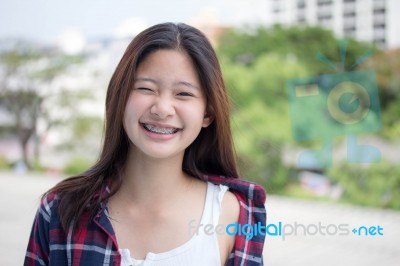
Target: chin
163	155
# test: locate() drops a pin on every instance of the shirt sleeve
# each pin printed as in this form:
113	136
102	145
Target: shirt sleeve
37	252
248	248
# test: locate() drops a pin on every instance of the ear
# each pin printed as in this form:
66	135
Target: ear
207	120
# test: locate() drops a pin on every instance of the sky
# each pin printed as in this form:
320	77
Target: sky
49	20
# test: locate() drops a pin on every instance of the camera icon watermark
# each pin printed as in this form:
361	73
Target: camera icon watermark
323	107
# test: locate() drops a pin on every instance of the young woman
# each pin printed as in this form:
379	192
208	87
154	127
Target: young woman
165	189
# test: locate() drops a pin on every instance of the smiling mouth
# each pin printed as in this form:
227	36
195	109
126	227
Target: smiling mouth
160	130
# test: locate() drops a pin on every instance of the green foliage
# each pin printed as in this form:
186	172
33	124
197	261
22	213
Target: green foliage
298	43
257	62
26	70
77	165
391	121
37	166
4	164
376	185
88	130
87	127
21	54
387	68
261	123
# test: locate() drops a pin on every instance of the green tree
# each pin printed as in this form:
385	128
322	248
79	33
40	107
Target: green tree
260	121
257	62
386	65
296	43
376	185
24	73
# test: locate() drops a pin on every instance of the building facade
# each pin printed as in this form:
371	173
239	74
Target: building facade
375	21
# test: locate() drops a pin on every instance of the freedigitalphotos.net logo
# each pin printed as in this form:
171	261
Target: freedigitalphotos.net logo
284	230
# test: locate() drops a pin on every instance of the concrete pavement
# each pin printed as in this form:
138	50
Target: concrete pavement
19	199
20	194
310	247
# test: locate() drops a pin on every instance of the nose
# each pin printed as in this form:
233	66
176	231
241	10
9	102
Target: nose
162	108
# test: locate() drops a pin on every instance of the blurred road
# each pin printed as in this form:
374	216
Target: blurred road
19	197
350	249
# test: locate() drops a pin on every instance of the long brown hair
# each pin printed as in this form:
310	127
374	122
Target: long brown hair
211	152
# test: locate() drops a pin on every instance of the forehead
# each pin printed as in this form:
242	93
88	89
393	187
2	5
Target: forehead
168	64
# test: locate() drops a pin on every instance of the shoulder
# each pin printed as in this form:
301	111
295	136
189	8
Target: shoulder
41	234
245	191
48	205
250	197
230	208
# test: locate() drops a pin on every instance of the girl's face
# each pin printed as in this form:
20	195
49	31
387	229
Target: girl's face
166	108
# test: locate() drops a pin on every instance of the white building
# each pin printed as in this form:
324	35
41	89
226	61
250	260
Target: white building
375	21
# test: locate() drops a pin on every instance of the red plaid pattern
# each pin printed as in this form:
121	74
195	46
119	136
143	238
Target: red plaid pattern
94	241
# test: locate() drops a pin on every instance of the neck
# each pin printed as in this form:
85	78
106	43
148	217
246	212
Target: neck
149	180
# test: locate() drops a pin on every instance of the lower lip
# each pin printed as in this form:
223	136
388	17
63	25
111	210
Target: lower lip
156	136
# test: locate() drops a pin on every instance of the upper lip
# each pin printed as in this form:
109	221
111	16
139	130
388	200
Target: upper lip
159	125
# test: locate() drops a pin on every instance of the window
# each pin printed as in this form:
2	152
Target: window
350	30
379	4
301	19
380	42
349	13
301	4
324	2
380	26
276	10
324	17
379	11
379	19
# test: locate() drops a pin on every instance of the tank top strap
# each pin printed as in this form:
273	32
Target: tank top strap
212	208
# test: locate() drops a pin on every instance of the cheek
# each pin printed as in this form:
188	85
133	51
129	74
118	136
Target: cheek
125	122
129	114
194	115
133	105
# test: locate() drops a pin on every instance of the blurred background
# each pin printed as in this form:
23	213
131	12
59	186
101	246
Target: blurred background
324	151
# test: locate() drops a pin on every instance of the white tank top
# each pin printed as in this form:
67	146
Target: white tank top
202	249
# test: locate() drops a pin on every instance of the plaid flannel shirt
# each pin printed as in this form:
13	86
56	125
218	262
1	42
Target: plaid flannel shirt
94	242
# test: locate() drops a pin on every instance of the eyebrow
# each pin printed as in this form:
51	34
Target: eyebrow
184	83
146	79
187	84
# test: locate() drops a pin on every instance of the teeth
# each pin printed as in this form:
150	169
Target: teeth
160	130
